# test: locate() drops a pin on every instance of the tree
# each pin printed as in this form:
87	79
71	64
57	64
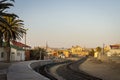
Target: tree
98	52
91	52
11	28
14	31
3	6
98	49
2	23
38	53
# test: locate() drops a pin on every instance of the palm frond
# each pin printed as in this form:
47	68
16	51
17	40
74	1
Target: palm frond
4	6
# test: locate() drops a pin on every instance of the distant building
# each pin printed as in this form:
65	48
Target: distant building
65	52
77	50
114	50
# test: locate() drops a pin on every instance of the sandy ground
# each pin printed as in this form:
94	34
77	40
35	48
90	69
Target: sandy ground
3	70
103	70
54	73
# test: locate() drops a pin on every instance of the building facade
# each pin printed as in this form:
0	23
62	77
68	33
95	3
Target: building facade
17	52
77	50
114	50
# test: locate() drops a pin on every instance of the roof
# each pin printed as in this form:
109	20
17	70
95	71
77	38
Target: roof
115	45
19	44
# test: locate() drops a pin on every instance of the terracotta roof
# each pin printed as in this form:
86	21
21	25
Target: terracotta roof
19	44
116	45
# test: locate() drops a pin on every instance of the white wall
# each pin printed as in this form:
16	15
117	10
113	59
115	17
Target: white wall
115	51
2	50
15	55
23	55
20	55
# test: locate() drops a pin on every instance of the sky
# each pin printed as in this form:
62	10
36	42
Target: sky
66	23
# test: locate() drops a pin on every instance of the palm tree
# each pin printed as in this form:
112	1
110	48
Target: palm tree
14	31
91	52
6	25
11	28
3	6
38	53
2	22
98	49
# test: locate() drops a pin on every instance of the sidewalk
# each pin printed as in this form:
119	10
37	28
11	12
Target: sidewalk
105	71
3	70
24	70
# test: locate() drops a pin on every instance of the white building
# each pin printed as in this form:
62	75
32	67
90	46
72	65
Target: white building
114	50
17	52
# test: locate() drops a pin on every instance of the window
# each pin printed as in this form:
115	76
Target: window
2	54
18	54
13	53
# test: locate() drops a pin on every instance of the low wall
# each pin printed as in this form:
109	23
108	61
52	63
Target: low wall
37	64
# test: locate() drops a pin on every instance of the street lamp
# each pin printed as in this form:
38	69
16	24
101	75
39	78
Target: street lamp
103	48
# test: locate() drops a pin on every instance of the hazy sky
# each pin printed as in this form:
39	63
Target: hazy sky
63	23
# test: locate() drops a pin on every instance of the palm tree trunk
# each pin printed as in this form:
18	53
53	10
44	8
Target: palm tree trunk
1	39
8	50
42	56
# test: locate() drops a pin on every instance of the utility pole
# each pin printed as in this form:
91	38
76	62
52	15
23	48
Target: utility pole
103	48
25	37
40	54
25	43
